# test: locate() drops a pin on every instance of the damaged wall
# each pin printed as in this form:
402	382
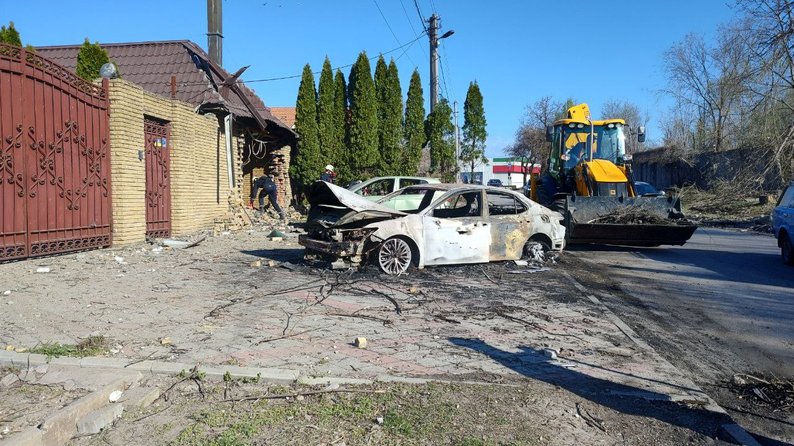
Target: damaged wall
276	163
200	192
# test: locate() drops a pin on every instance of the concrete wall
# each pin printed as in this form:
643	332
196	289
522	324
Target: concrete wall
200	193
665	168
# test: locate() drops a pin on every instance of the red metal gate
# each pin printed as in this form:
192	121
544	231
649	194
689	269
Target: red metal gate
54	158
158	178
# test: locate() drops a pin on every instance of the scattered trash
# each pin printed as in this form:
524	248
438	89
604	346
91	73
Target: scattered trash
412	290
521	262
181	244
7	293
360	342
166	341
256	264
379	420
115	396
43	269
331	387
119	260
271	263
764	390
551	353
276	235
9	348
530	271
226	233
300	398
157	249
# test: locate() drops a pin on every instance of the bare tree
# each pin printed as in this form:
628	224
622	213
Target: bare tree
770	36
711	81
530	146
629	112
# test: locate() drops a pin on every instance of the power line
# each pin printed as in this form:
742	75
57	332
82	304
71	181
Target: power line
443	76
410	22
390	28
295	76
421	17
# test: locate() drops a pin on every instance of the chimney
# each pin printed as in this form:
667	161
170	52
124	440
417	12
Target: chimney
215	31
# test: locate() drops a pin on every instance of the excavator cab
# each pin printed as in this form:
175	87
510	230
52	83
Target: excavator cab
589	180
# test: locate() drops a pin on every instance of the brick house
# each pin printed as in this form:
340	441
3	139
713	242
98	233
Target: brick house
184	139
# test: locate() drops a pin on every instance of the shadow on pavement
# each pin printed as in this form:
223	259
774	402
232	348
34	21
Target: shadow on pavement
619	397
294	256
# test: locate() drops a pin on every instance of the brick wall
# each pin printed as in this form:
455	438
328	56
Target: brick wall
200	192
276	163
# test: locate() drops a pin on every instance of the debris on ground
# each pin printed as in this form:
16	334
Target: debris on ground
360	342
772	392
43	269
631	215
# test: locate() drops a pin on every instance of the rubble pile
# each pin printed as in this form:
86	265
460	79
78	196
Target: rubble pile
772	392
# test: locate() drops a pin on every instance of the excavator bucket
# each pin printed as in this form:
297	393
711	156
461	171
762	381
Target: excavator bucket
638	221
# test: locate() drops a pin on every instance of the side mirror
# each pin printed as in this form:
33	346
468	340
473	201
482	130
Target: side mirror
549	133
641	133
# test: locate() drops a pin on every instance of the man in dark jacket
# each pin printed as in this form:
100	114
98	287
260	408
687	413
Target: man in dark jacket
329	175
268	187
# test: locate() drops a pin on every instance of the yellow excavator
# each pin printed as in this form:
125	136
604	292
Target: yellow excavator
588	179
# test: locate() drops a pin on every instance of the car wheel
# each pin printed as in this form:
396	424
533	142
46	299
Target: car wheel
786	250
395	256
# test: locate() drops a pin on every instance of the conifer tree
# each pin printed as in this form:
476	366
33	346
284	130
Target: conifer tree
306	165
340	126
414	135
10	35
90	59
474	129
363	134
391	127
326	116
440	136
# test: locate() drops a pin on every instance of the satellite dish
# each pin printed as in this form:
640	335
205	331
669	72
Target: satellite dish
109	71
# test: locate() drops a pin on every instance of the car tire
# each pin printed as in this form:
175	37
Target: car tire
395	256
786	249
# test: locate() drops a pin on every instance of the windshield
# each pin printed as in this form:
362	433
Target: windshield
609	143
411	199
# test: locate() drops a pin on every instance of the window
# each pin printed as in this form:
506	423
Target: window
787	198
504	204
405	182
380	187
467	204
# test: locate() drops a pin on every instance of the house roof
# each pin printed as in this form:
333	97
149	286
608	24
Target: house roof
199	81
285	114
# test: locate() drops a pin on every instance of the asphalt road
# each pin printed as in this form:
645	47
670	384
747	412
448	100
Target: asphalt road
723	303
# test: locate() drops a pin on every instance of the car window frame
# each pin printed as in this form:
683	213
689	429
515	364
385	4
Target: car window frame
513	196
429	210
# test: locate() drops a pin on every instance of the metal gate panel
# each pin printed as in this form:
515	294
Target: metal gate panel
158	178
55	126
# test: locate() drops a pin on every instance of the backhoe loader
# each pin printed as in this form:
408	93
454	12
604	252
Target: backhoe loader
588	179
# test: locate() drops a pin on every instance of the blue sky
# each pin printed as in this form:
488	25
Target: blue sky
518	51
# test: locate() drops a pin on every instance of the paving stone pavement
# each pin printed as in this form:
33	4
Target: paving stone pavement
478	322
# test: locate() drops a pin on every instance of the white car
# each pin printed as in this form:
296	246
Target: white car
378	187
452	224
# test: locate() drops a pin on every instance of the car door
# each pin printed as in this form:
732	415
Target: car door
510	227
455	231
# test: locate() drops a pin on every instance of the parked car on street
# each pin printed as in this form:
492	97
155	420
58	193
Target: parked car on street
495	182
378	187
450	224
783	224
644	189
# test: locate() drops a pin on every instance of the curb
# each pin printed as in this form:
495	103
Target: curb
734	431
61	426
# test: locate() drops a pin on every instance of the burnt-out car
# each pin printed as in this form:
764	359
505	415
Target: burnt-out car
450	224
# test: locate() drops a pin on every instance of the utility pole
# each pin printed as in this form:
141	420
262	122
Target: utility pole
432	32
457	135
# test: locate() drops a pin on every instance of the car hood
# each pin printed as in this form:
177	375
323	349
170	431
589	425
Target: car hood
332	205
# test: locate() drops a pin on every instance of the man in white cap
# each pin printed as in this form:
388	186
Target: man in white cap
329	175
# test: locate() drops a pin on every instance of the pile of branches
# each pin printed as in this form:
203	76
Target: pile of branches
632	215
778	394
